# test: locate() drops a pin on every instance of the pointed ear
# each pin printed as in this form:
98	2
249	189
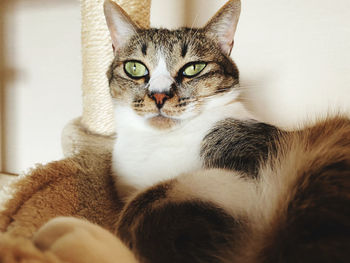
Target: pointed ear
222	26
119	24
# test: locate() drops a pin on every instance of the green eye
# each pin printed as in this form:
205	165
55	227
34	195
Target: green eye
193	69
135	69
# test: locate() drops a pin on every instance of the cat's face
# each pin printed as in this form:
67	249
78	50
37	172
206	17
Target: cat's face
167	77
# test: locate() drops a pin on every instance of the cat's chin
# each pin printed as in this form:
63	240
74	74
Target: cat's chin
162	123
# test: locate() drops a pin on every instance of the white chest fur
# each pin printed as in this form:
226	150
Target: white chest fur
144	156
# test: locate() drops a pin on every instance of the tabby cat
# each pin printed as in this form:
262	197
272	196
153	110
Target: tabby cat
205	182
170	89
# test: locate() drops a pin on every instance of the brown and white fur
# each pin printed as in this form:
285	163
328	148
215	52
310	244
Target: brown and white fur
297	209
205	182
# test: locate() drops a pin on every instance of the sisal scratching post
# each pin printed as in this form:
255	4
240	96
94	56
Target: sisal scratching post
97	117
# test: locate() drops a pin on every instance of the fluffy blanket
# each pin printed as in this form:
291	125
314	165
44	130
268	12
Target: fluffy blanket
79	186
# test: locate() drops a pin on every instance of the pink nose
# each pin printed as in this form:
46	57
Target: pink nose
159	98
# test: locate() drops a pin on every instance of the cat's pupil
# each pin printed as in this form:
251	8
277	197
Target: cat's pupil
134	67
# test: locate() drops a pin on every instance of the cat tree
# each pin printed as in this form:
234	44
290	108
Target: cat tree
97	117
79	185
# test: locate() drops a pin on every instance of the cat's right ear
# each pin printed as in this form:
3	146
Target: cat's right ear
222	26
119	24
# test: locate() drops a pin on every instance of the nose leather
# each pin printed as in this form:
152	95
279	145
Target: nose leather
159	98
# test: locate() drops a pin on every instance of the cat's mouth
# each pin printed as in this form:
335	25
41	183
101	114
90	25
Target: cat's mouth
162	121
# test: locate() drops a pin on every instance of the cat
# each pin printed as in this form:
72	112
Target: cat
201	179
265	195
170	88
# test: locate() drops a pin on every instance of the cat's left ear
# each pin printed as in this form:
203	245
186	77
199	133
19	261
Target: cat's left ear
222	26
120	25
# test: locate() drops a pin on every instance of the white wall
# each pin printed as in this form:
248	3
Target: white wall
293	57
169	13
43	52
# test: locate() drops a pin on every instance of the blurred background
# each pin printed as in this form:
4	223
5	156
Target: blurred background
293	57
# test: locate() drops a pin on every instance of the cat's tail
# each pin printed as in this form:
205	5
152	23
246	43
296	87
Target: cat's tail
302	211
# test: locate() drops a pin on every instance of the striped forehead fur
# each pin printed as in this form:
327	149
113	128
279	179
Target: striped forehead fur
183	41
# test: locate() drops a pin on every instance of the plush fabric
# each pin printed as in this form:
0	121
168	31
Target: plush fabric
77	186
80	186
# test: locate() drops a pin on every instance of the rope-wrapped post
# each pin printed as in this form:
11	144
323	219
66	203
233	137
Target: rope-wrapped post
97	54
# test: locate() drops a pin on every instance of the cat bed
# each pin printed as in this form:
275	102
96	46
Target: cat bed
79	185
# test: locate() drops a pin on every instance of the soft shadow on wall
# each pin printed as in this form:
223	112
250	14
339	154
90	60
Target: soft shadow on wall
41	89
2	81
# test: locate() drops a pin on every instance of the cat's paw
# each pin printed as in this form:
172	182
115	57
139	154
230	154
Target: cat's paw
78	241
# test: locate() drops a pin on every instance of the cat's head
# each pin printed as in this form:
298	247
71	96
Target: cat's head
169	76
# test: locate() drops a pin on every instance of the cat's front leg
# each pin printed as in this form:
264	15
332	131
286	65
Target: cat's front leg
196	217
239	145
78	241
